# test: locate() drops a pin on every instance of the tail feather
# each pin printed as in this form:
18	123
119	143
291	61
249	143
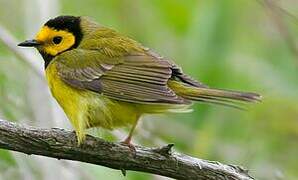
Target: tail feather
226	94
229	98
217	101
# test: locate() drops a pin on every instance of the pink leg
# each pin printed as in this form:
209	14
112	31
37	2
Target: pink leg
127	140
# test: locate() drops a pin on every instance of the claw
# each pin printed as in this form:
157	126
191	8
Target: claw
127	142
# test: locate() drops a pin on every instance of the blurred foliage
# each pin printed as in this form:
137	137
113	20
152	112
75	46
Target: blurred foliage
232	44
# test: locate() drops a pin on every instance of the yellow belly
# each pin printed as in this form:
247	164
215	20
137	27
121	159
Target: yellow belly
87	109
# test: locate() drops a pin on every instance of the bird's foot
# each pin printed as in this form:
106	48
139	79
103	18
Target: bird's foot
127	142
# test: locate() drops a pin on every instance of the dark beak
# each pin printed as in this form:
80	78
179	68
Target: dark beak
29	43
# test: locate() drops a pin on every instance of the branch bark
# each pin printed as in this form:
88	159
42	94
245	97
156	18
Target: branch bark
61	144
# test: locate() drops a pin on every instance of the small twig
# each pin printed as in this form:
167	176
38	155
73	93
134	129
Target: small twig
62	144
123	171
28	58
280	24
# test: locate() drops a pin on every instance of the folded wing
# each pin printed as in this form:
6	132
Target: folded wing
132	78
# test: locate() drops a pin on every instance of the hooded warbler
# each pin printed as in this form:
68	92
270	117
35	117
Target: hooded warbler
102	78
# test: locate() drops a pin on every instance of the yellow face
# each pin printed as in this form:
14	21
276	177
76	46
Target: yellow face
54	41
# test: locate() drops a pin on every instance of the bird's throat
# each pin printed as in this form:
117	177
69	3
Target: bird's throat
47	58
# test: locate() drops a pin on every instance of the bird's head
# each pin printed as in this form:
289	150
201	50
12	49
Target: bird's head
56	36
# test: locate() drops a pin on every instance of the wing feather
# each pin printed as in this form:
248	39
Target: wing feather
132	78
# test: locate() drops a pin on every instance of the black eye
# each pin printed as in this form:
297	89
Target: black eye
57	39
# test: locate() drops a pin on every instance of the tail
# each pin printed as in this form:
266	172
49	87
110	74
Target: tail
214	96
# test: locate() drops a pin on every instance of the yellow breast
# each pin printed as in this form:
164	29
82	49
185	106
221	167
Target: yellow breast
68	98
87	109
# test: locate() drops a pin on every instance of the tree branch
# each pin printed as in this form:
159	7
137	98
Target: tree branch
61	144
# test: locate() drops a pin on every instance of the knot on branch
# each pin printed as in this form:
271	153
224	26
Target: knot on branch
241	169
165	150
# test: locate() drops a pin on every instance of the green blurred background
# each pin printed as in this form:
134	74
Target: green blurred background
232	44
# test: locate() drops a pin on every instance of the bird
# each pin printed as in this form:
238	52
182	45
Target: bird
104	79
